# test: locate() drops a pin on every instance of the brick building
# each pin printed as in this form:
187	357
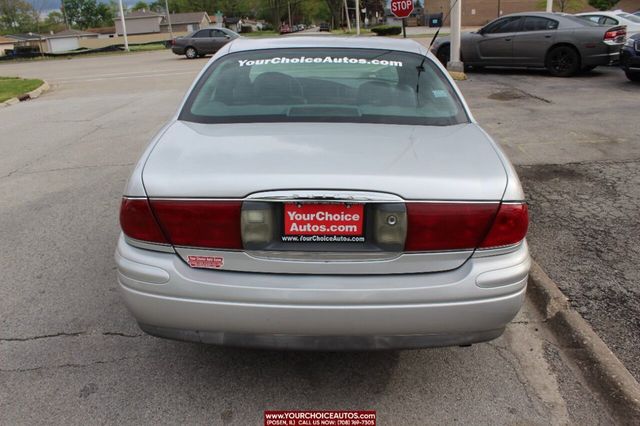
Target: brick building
479	12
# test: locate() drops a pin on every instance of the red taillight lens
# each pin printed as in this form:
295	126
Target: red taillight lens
615	33
448	226
509	227
205	224
137	221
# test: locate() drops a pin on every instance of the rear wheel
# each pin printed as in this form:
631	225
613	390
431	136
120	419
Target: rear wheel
190	53
563	61
633	76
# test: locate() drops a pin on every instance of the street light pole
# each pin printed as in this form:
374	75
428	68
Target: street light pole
549	5
124	26
166	6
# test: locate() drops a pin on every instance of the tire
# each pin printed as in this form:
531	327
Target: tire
444	54
190	53
563	61
633	75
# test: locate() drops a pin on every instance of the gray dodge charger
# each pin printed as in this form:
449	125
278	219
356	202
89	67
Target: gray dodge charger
563	44
323	194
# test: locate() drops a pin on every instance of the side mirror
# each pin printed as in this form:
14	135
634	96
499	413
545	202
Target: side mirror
227	36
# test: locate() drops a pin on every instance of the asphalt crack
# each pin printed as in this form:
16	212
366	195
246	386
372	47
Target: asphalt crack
64	334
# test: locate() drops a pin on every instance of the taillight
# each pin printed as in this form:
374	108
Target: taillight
509	227
137	221
448	226
464	226
204	224
615	33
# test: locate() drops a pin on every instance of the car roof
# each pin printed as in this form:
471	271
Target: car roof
551	15
244	44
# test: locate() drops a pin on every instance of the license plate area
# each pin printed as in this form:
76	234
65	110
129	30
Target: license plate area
321	222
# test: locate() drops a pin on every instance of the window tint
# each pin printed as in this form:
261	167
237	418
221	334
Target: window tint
326	85
505	25
217	33
536	23
202	34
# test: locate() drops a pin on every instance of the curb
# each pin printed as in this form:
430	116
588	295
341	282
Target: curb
602	369
457	75
29	95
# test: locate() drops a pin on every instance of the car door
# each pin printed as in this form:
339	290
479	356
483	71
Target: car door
530	45
495	41
200	40
218	39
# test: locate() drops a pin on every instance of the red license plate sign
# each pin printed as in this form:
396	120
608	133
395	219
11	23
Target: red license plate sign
323	219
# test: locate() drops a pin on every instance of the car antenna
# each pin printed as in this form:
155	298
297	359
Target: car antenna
443	19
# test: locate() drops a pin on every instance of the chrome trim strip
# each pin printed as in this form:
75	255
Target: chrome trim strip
166	248
497	251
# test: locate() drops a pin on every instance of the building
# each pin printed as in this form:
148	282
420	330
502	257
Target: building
6	44
28	42
188	22
139	22
479	12
67	40
103	32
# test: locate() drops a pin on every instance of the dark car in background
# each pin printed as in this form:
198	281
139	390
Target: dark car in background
630	58
324	27
202	42
561	43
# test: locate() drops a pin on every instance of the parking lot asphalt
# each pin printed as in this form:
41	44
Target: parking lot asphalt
70	352
578	155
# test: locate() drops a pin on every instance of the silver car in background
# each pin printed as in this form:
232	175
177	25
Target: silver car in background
563	44
323	194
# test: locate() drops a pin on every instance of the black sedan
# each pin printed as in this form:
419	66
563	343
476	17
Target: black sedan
630	58
561	43
202	42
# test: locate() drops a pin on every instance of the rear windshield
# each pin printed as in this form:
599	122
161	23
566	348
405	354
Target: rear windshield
332	85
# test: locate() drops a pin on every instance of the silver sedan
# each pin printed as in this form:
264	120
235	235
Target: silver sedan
323	194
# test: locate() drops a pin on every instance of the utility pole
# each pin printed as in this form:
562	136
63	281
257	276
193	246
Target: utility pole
289	6
124	26
357	17
166	6
549	5
346	13
499	8
456	22
64	14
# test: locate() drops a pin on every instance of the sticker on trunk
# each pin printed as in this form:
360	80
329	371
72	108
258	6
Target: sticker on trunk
208	262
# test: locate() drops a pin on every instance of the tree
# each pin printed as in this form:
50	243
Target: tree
141	5
88	13
603	4
54	21
17	16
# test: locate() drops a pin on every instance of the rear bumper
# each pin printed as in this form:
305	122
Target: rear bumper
470	304
608	56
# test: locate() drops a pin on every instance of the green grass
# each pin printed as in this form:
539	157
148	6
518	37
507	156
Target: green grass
11	87
147	47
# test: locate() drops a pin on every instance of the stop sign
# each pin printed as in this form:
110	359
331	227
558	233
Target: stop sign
401	8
